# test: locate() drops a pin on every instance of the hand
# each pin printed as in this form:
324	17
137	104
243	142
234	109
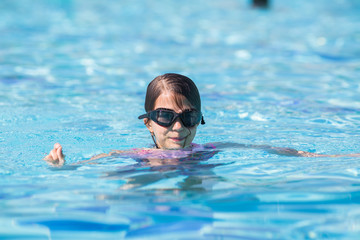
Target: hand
56	156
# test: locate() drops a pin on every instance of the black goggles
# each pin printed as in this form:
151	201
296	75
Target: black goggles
166	117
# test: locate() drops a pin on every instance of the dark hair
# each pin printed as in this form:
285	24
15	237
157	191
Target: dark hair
174	83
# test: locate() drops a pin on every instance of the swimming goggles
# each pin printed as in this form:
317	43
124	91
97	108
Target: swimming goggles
166	117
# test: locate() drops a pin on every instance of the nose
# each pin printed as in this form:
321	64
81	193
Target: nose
177	124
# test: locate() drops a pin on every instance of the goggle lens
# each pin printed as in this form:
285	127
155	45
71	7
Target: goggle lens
163	117
166	117
190	118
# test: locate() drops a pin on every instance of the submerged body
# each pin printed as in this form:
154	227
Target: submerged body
155	156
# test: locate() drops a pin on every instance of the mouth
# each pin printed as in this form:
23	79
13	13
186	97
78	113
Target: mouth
177	139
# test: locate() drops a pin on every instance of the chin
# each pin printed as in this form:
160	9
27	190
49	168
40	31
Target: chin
174	146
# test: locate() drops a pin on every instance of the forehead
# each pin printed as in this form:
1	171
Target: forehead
176	102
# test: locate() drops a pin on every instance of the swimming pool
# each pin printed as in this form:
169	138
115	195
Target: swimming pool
75	72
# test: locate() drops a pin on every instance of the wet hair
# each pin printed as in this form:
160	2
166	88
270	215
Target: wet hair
177	84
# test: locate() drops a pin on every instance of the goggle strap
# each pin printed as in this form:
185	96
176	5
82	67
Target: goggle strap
202	120
146	115
153	138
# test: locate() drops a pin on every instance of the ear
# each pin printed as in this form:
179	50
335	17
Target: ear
147	123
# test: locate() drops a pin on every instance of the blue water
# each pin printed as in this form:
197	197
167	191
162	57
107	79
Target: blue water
76	72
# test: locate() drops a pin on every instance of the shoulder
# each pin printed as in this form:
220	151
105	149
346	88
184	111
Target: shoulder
140	152
210	146
202	147
205	146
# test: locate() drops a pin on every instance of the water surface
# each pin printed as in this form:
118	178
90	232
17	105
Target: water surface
76	72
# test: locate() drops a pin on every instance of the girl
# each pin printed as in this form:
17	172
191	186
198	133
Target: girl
173	113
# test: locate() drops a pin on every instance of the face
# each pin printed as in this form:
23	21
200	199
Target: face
177	136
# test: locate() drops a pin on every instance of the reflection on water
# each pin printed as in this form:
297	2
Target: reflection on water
190	172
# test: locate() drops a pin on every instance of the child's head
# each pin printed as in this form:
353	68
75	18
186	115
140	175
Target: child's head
176	84
168	95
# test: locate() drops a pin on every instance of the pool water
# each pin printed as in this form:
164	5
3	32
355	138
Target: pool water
75	72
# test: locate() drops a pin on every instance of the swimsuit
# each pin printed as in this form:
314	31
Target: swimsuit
194	152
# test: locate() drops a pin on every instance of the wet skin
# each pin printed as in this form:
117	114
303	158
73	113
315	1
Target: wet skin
177	136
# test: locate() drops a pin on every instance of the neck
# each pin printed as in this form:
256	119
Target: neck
153	138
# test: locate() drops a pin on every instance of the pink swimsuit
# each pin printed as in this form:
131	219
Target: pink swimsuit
196	151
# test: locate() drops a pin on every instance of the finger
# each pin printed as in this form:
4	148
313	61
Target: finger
53	155
59	152
60	156
57	145
48	157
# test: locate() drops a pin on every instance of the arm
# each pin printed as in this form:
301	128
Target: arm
57	158
297	153
275	150
102	155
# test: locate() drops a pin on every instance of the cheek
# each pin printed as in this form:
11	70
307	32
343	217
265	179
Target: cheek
159	130
193	133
